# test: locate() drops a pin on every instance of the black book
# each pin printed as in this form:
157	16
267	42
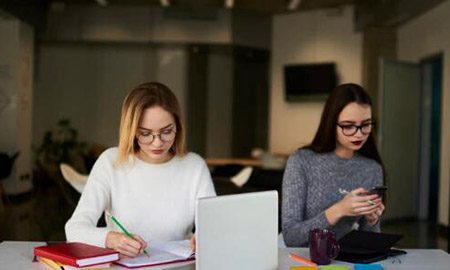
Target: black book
368	247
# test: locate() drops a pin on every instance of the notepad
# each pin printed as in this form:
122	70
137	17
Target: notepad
57	266
334	267
161	253
368	267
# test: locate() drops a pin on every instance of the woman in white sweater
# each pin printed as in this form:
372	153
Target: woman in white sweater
149	182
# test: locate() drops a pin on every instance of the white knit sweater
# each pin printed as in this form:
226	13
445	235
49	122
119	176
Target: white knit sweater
155	201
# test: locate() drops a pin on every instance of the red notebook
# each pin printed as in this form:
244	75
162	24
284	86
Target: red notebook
77	254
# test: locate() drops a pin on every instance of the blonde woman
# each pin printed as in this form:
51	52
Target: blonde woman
149	182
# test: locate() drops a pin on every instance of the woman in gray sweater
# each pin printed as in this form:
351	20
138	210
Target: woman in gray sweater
321	180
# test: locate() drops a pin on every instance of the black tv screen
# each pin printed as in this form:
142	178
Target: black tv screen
309	81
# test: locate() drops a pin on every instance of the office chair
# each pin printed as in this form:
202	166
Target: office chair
6	165
78	181
74	178
242	177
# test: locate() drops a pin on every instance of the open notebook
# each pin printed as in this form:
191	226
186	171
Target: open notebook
161	253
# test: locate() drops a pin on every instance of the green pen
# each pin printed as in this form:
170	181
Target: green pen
108	214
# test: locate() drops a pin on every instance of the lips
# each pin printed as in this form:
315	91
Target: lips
357	143
157	152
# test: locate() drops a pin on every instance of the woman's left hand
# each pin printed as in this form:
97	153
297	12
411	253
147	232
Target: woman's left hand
192	243
373	218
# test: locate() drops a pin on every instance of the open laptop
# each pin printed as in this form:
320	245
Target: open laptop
237	232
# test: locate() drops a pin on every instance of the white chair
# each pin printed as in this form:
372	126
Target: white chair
242	177
74	178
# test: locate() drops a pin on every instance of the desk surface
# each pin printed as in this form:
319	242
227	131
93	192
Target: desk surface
18	255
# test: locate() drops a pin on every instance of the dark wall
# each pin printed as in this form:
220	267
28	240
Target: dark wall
33	12
249	103
250	100
197	105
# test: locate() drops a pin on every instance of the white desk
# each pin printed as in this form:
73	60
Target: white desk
420	259
19	255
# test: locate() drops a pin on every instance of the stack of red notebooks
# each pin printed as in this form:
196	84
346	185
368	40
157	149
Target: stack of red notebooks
75	255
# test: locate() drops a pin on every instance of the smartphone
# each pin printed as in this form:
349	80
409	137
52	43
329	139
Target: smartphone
380	190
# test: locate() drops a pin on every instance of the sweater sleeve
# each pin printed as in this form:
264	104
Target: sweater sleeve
377	180
81	227
295	228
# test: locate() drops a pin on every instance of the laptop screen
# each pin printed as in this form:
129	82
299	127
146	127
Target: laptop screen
237	232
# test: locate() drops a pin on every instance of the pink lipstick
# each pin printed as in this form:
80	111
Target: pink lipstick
157	152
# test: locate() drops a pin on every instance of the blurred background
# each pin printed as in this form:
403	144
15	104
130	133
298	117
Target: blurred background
251	76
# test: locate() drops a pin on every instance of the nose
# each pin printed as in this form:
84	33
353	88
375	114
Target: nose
359	133
157	141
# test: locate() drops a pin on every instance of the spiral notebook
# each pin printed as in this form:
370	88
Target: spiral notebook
161	253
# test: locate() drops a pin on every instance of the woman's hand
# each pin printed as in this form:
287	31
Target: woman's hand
192	243
374	217
353	205
123	244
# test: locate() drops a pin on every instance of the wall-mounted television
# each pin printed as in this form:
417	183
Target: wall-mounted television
309	82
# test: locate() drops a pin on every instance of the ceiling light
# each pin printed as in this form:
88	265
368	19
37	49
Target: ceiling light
164	3
229	4
102	3
293	4
57	7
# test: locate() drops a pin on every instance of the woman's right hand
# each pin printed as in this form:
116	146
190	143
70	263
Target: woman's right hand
351	206
123	244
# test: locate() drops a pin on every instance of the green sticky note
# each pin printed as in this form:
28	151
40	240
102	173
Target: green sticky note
303	268
334	267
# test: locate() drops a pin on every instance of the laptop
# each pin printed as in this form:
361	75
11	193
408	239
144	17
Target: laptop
237	232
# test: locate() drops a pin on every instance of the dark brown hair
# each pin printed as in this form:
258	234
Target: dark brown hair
325	138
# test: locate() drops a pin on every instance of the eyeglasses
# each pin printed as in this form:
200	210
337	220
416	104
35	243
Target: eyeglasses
165	136
350	130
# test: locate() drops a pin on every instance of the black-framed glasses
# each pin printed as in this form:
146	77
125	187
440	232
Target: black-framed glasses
350	130
167	135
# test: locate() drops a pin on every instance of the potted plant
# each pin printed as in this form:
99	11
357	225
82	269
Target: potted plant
61	145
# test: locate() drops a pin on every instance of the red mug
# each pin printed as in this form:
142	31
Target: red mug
323	246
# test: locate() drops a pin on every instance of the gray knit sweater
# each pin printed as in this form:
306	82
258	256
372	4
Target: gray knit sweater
311	184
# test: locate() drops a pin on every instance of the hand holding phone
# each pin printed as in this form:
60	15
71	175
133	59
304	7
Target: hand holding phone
380	190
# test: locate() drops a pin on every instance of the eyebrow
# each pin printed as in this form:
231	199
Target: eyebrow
353	122
169	125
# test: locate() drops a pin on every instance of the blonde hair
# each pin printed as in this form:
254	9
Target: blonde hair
142	97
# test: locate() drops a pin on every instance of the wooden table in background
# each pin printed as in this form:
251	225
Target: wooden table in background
230	161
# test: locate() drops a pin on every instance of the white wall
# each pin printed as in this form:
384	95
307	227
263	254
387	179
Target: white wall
309	37
8	82
424	36
16	84
87	83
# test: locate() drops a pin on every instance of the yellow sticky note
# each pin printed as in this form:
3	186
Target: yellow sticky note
303	268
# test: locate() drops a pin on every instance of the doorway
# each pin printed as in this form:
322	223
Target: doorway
399	135
431	74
